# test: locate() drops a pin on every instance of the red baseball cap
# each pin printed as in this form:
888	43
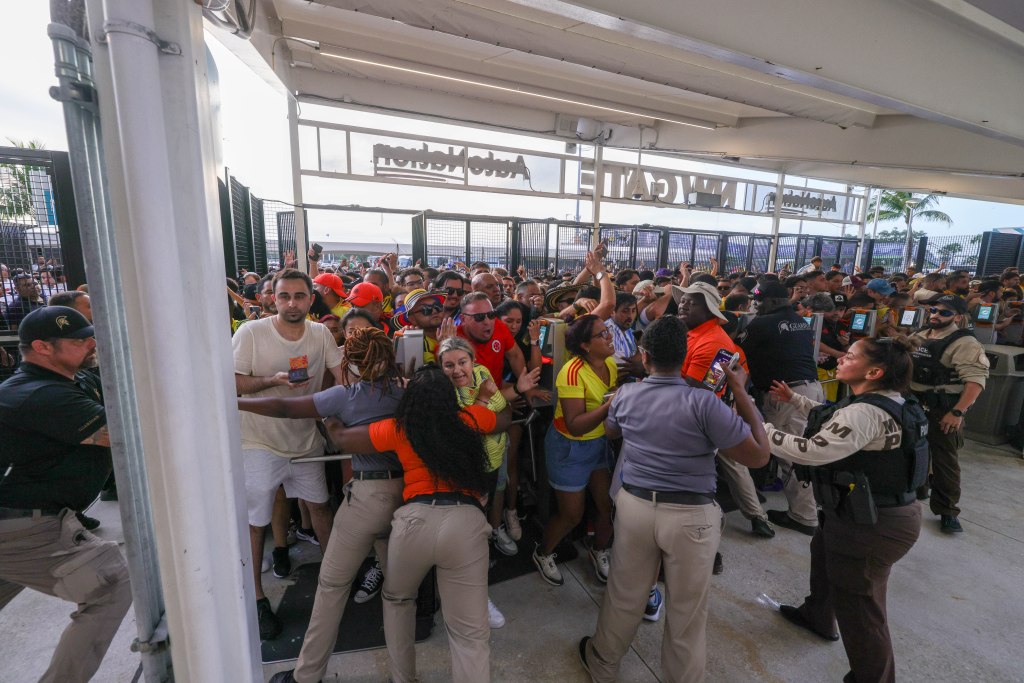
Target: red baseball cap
363	293
332	281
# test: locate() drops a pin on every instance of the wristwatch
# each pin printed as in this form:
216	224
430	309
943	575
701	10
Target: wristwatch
600	274
956	413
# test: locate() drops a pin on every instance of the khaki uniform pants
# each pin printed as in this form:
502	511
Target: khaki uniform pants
741	486
684	539
850	565
799	495
454	539
56	556
363	521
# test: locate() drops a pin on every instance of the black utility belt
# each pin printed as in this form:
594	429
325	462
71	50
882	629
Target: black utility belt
22	513
445	498
371	475
894	500
675	497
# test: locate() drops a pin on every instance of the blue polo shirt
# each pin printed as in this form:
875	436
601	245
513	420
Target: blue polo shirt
670	432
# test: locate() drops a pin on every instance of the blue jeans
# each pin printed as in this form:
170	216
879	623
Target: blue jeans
570	462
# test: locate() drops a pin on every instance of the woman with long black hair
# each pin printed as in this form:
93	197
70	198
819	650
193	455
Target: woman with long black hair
442	522
867	455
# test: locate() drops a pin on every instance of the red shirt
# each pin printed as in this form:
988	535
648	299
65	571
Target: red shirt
491	354
386	436
702	343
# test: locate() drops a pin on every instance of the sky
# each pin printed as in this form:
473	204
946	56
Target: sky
253	121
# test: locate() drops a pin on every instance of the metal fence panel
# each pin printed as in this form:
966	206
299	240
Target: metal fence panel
998	251
680	247
646	245
890	254
760	250
488	242
848	255
572	242
620	243
533	246
705	248
259	237
737	253
241	225
447	241
958	252
38	228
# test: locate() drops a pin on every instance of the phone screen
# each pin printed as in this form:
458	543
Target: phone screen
984	314
908	318
860	322
714	379
543	340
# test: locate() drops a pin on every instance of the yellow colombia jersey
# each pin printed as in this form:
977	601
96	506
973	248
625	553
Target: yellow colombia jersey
494	444
577	379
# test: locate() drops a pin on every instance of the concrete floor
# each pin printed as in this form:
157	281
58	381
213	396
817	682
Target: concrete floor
955	608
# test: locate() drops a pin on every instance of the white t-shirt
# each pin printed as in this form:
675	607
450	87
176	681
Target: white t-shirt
259	350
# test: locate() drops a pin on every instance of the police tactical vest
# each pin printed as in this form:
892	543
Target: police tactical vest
890	476
928	368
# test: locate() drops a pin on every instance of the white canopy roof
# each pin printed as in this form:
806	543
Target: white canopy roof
924	95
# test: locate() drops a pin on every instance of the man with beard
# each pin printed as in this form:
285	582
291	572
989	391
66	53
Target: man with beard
284	355
950	369
425	311
26	300
453	286
55	455
959	283
627	354
699	309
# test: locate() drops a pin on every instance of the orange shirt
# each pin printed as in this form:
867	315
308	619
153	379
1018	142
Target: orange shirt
702	343
386	436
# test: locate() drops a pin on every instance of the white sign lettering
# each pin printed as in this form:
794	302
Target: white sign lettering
436	164
619	181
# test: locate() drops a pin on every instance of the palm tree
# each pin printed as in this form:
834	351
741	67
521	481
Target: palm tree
15	189
905	206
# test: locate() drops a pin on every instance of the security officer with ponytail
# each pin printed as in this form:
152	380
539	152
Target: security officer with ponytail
865	457
950	369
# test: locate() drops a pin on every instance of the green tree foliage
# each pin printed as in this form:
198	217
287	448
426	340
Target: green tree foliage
15	188
895	206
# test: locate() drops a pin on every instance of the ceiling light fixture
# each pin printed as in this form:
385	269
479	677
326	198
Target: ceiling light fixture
518	90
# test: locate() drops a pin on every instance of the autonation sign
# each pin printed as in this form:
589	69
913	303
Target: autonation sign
438	164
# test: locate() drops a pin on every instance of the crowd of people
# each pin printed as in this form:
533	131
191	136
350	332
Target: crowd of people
673	379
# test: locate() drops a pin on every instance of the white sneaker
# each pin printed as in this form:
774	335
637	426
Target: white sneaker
265	567
504	544
494	616
515	530
602	560
546	566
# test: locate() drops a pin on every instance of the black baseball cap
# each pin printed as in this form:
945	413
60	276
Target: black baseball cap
951	301
54	322
771	290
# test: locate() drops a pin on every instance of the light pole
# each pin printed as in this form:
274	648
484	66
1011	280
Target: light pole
912	204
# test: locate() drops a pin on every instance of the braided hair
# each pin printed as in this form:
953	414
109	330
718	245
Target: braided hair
430	417
370	355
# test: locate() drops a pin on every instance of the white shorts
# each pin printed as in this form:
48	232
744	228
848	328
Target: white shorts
265	471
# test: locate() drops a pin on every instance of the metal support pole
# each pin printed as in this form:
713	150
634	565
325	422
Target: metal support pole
862	223
598	189
773	251
878	207
153	93
76	90
301	241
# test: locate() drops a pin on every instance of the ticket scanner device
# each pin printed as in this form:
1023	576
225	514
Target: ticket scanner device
409	351
816	320
863	323
553	356
911	318
984	323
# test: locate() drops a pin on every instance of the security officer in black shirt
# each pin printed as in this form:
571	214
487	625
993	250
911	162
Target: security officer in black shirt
54	459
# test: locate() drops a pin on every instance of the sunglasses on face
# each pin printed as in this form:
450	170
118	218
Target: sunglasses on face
429	309
941	311
724	288
480	317
453	291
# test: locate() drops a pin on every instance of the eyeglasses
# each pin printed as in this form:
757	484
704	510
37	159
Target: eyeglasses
480	317
452	291
941	311
429	309
414	283
603	334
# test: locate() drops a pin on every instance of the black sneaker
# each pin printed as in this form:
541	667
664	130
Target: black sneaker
88	523
719	566
782	518
950	524
759	526
372	582
282	563
270	625
793	616
109	494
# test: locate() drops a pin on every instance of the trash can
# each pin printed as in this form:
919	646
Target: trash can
999	405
